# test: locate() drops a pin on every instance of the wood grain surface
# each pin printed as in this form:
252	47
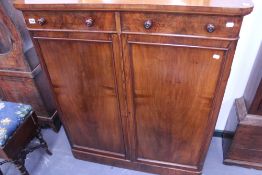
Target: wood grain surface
145	98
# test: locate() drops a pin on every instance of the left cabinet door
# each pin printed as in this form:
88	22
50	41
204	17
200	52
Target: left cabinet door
82	71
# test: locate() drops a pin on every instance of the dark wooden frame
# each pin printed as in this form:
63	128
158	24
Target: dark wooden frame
16	150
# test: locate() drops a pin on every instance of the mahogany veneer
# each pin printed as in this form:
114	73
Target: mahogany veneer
139	84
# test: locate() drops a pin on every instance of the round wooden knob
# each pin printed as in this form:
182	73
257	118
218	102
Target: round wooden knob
89	22
211	28
41	21
148	24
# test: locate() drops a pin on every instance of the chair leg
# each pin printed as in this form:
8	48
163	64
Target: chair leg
40	137
20	164
20	160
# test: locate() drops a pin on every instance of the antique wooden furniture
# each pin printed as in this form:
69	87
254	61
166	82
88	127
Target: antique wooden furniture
21	76
139	83
256	106
246	147
18	126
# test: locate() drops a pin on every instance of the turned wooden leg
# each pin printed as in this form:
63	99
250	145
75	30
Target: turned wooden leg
20	164
39	136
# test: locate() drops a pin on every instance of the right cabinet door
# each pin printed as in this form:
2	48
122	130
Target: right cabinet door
170	88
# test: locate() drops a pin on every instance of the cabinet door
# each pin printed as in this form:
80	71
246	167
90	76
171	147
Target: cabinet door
170	97
82	74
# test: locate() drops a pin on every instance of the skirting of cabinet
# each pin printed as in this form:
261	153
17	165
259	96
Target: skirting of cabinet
151	168
243	163
53	121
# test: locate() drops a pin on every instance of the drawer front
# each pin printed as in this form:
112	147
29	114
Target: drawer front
90	21
205	25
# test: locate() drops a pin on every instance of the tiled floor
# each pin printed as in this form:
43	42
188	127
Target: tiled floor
63	163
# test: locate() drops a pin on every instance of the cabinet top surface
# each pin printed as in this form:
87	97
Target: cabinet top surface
230	7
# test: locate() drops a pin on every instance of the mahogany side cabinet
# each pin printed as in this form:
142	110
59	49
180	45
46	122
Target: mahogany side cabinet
139	84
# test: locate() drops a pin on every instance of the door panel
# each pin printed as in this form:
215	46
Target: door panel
172	89
83	77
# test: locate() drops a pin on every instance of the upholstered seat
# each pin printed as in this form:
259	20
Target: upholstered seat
12	115
18	126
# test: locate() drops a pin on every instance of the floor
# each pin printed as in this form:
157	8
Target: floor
62	161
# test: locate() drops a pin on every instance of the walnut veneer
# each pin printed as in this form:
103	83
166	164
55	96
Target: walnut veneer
139	84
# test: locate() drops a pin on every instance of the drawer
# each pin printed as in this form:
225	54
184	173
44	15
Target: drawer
90	21
204	25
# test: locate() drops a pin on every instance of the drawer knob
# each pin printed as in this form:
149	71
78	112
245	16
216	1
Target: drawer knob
148	24
41	21
89	22
211	28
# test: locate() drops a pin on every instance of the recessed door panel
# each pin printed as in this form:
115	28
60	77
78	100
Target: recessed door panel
173	89
83	77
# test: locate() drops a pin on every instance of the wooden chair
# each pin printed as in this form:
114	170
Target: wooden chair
18	126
